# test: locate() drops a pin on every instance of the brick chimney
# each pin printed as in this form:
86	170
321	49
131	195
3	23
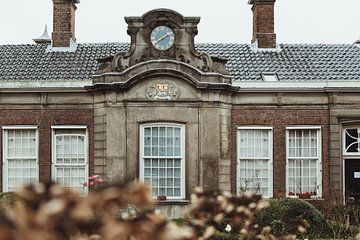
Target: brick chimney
263	23
64	23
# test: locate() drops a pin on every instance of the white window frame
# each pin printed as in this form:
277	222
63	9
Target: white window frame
183	165
271	154
319	157
53	149
5	186
348	155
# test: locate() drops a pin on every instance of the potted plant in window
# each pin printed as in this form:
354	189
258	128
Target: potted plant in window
305	195
161	198
293	195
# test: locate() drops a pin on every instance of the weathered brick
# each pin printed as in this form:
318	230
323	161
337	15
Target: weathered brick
263	24
63	22
44	119
279	119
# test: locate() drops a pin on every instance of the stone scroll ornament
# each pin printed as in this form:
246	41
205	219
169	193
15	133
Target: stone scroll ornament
163	91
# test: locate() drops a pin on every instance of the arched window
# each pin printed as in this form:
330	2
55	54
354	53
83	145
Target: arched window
70	156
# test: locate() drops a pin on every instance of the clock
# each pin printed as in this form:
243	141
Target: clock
162	38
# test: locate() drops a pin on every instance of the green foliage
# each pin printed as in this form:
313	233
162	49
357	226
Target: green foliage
283	217
344	220
178	221
225	236
8	198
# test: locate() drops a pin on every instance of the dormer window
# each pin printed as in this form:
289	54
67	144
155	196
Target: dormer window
269	77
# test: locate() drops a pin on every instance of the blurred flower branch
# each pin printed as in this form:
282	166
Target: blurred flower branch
51	212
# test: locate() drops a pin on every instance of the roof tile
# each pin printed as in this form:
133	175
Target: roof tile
295	62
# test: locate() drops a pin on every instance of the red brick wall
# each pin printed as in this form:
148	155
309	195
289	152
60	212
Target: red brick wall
63	23
279	119
44	119
263	25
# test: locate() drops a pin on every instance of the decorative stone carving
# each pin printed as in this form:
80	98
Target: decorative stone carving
141	49
122	70
163	91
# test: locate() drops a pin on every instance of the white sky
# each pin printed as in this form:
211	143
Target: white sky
230	21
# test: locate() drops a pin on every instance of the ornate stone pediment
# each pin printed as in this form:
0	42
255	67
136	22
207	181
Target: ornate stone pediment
151	36
163	90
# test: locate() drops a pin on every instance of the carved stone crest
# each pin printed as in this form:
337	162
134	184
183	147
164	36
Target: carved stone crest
163	91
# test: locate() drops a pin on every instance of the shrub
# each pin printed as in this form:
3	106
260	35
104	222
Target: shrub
283	216
344	220
225	236
7	199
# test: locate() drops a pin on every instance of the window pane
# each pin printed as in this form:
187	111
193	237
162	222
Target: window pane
147	172
302	143
20	172
252	176
162	162
304	178
147	163
254	143
352	140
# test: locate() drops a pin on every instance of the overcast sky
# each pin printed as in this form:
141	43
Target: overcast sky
230	21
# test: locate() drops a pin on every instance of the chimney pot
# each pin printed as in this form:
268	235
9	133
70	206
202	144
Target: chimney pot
263	23
64	23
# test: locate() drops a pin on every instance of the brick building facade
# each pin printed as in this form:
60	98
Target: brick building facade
277	119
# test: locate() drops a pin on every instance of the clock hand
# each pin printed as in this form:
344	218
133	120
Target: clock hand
163	37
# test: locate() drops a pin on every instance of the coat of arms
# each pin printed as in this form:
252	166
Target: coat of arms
162	91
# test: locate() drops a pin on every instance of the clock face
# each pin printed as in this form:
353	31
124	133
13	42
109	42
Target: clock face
162	38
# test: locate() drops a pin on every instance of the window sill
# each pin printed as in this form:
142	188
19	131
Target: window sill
314	199
173	202
307	199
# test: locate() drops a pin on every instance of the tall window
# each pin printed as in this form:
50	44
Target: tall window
20	157
304	160
162	163
254	166
70	156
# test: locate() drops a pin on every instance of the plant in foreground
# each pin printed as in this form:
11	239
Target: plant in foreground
54	213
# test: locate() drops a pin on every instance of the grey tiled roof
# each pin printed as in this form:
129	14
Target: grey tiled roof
294	62
33	63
